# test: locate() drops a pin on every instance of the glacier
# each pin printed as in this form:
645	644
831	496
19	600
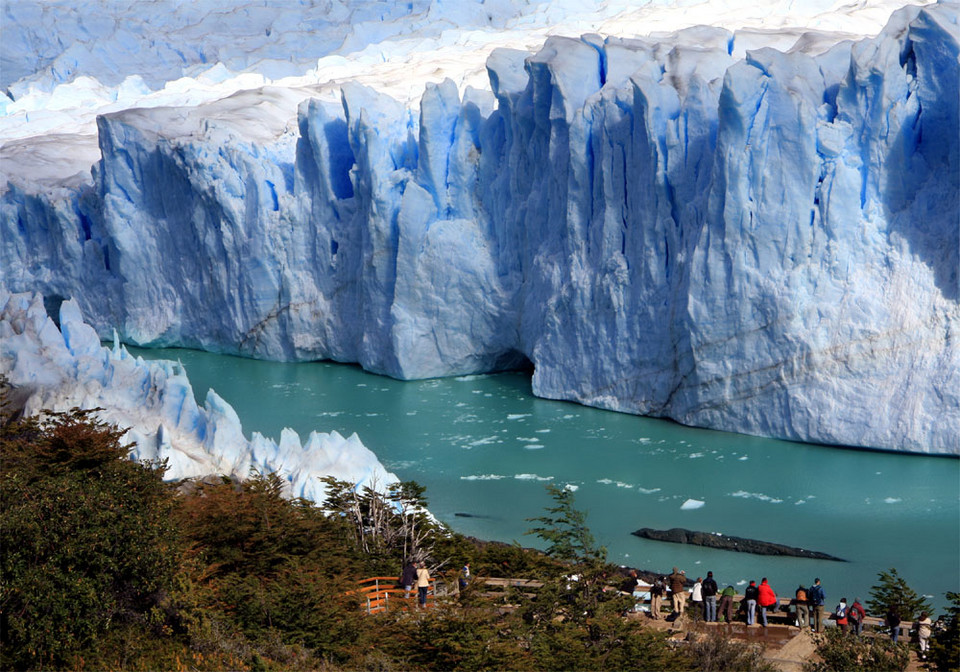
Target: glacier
744	229
59	368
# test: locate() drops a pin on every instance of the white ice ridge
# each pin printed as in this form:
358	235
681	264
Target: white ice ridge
60	369
750	226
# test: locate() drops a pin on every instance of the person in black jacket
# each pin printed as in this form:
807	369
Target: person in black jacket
750	596
709	592
408	577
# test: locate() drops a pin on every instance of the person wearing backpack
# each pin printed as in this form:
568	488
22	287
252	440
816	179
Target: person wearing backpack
816	597
803	611
840	614
856	614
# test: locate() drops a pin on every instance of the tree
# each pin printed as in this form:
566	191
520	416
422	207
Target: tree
945	642
566	531
88	544
892	592
570	540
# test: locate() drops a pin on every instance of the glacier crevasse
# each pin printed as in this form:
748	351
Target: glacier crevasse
767	245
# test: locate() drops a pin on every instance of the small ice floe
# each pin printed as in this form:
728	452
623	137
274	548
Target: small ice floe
532	477
482	477
743	494
571	487
743	458
517	416
892	500
691	504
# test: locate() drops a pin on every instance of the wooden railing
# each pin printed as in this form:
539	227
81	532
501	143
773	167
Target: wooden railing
380	593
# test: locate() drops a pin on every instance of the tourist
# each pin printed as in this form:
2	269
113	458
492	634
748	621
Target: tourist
423	584
923	634
408	577
892	621
856	613
803	611
656	597
696	597
816	597
767	599
630	583
726	603
709	593
840	614
678	598
750	596
464	577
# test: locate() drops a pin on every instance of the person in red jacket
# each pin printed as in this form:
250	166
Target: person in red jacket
766	599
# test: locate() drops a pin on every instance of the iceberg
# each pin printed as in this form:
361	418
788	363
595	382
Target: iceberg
736	227
58	369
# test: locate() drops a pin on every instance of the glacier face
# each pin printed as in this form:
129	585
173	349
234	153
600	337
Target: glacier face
753	240
58	368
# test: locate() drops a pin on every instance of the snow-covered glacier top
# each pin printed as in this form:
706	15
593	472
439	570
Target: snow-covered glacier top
738	215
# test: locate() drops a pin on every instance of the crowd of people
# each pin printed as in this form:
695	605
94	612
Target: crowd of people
711	604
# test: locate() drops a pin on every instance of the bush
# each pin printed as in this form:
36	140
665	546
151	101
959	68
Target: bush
88	543
841	651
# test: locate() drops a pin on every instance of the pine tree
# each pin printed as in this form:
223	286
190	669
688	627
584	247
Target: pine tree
945	643
566	531
893	593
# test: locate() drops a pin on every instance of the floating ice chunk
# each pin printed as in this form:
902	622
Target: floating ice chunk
691	504
743	494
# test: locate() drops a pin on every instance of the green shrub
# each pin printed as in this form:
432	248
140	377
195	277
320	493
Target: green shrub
88	542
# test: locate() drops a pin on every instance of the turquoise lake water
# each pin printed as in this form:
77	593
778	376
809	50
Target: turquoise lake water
484	446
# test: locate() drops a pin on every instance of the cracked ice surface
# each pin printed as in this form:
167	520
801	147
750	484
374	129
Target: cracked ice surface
750	225
60	369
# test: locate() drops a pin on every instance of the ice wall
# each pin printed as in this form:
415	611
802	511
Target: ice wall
765	243
61	368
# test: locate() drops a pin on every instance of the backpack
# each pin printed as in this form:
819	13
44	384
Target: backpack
841	611
801	596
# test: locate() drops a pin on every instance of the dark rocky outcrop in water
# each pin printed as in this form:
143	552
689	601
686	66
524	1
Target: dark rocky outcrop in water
678	535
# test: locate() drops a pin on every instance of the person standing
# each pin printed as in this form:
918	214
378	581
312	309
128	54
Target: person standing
767	599
892	621
709	593
656	597
408	577
464	578
803	611
856	614
726	603
841	615
696	598
816	597
750	596
924	627
423	584
678	598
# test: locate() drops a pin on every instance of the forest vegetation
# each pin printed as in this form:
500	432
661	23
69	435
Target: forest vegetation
107	566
